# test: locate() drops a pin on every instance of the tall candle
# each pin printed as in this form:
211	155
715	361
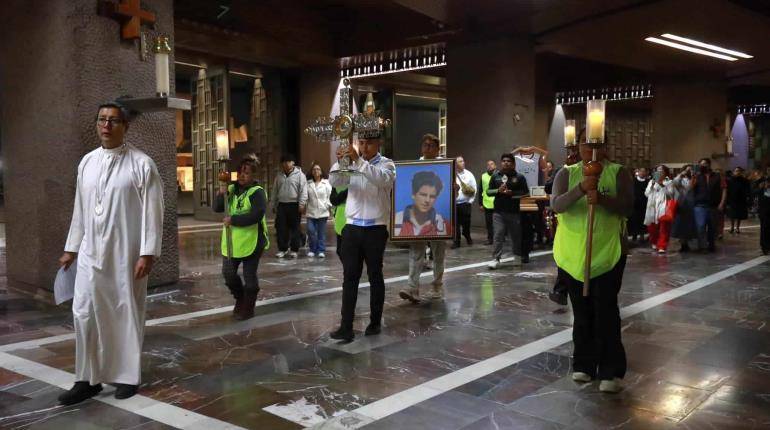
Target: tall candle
596	125
569	132
161	49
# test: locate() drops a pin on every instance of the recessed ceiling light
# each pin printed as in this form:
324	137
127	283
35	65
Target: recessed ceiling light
706	45
690	49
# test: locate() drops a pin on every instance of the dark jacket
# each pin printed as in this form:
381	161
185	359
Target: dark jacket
516	183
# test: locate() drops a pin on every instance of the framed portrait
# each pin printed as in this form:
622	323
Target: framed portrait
423	200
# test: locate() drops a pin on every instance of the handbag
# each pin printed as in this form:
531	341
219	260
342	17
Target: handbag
671	205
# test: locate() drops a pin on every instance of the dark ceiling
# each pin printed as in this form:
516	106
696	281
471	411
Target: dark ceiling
302	33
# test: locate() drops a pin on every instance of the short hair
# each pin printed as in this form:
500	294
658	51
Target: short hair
125	114
421	179
666	170
310	171
706	159
507	155
250	160
432	138
288	157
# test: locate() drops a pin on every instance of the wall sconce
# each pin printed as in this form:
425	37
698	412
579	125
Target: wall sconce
162	50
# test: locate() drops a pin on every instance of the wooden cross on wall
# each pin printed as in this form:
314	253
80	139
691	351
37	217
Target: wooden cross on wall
131	11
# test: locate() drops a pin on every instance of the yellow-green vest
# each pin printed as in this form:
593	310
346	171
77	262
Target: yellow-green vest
487	201
339	213
569	247
245	239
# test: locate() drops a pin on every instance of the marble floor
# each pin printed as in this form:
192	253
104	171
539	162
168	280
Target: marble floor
494	354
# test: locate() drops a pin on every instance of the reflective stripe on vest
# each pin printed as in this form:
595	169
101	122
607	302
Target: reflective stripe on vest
487	201
245	239
569	247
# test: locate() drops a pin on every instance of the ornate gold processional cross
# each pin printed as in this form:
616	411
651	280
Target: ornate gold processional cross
342	126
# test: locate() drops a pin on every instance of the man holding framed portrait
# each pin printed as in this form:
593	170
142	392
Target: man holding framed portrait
423	199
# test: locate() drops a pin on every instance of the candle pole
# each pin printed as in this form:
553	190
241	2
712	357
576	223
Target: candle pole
223	156
595	113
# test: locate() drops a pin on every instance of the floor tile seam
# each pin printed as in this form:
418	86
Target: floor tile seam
139	405
35	343
626	312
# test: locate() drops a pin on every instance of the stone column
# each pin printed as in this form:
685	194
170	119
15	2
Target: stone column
59	61
490	100
317	90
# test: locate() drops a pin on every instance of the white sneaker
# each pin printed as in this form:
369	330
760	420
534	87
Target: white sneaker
581	377
281	254
292	254
321	255
610	386
311	254
494	265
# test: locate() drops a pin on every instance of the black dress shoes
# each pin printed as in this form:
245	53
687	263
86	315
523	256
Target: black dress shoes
558	298
82	390
343	335
124	391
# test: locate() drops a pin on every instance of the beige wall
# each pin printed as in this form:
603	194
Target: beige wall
682	114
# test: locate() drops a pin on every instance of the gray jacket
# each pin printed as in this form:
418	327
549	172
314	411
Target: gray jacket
291	188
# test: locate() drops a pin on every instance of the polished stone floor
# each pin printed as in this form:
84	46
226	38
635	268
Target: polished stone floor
493	355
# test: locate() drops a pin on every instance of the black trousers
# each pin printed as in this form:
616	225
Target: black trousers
339	246
250	283
363	244
596	329
287	226
490	225
463	220
527	236
764	229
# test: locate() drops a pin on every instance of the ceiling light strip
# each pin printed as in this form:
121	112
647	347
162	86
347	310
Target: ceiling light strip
690	49
617	93
706	45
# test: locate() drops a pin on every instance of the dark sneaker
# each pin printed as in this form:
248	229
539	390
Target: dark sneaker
372	329
124	391
82	390
558	298
344	335
525	259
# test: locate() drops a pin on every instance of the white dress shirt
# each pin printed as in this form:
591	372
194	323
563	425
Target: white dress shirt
467	177
368	202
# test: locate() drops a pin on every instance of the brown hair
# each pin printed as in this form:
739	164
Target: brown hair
431	137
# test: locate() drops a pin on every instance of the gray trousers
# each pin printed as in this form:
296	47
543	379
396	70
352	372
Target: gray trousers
417	263
505	222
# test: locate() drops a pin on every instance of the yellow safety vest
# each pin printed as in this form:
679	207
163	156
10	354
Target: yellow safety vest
487	201
245	239
569	247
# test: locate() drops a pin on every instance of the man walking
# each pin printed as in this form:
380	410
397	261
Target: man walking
115	235
507	187
288	200
710	193
466	193
487	203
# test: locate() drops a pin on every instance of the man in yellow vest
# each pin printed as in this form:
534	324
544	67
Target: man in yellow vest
247	203
487	203
599	351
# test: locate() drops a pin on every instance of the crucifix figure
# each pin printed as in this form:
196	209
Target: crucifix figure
342	126
131	11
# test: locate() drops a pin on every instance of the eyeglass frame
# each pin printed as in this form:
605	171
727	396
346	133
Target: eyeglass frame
101	122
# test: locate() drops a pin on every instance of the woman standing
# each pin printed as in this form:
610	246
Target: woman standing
318	204
247	203
659	191
684	222
636	226
738	196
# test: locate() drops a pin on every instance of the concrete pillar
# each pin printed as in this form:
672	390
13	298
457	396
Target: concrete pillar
682	115
59	60
317	90
490	100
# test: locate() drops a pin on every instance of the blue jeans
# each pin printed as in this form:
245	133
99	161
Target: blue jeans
316	232
706	224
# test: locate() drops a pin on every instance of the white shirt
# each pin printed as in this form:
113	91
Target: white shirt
318	203
467	177
368	202
529	167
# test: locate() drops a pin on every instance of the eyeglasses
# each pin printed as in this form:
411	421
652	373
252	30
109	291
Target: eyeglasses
101	122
